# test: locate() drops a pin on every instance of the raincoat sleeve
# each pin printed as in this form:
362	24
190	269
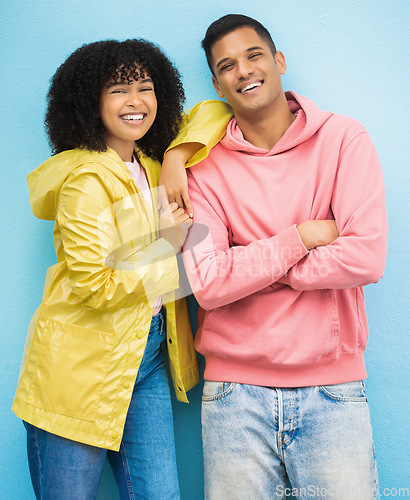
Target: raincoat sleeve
357	257
104	271
206	124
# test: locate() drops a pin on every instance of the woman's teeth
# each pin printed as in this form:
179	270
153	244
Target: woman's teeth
132	117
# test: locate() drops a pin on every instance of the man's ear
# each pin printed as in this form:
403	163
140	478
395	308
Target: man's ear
217	87
280	62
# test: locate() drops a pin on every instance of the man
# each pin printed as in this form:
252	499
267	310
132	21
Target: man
282	323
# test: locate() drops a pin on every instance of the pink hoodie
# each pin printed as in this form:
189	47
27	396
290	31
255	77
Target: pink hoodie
272	313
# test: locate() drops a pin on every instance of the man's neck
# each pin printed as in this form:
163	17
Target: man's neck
264	129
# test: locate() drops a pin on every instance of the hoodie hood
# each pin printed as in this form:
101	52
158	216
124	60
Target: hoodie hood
308	121
45	181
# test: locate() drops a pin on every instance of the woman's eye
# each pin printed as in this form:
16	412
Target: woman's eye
118	91
146	89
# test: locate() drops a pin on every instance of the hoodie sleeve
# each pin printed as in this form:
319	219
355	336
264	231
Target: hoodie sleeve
220	273
358	256
103	273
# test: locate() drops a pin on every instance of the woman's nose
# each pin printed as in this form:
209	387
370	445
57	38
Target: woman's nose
133	98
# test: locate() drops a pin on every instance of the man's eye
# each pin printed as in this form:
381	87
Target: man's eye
254	55
226	66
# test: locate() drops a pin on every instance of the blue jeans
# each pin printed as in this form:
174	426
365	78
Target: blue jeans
144	467
269	443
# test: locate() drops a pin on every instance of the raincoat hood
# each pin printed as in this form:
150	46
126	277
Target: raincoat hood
309	120
45	181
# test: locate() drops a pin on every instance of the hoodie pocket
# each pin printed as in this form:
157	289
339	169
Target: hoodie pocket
282	328
70	371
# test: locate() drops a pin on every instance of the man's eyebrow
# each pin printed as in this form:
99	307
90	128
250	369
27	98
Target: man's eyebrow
254	48
225	59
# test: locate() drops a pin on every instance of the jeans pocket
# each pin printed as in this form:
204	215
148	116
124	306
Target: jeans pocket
347	392
214	391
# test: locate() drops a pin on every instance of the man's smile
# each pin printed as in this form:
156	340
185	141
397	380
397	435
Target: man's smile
249	86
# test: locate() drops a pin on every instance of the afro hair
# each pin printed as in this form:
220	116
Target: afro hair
72	118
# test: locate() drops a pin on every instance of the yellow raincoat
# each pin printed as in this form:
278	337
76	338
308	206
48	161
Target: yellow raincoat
86	340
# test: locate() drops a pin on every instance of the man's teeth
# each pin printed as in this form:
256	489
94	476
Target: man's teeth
251	86
132	117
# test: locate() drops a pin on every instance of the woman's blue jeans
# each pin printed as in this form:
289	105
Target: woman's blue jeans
144	467
257	440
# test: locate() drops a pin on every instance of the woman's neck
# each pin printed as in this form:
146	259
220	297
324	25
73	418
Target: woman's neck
125	150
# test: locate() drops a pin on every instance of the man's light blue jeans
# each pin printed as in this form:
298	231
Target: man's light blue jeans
258	440
145	466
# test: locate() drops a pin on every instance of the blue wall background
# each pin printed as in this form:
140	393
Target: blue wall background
351	57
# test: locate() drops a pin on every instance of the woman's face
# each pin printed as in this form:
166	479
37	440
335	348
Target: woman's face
127	111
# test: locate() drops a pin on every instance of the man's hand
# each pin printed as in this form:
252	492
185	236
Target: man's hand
173	175
317	233
174	224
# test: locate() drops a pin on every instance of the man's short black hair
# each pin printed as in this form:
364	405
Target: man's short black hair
224	25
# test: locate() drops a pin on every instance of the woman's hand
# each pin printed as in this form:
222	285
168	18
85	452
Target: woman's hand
174	224
317	233
173	175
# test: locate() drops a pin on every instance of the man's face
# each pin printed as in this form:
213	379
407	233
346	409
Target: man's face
246	72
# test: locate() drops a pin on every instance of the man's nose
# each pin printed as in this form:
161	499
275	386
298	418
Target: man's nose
244	69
